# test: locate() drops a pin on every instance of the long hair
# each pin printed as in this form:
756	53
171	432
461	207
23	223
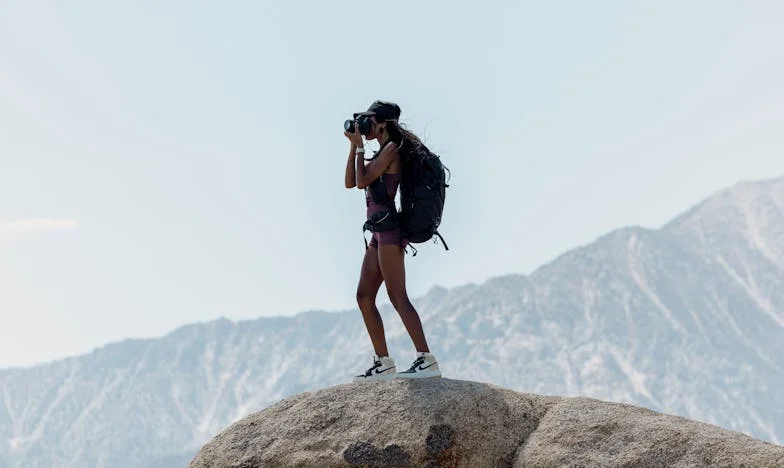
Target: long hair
411	150
408	144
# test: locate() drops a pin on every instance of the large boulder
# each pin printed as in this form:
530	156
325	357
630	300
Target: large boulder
453	423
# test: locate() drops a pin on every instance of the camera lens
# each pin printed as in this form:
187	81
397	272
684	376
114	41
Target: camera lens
348	126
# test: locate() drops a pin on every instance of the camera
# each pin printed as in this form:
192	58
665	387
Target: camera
364	123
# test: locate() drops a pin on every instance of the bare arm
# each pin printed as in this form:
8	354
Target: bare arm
365	175
350	174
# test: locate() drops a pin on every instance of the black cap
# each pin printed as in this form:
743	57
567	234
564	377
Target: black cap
383	110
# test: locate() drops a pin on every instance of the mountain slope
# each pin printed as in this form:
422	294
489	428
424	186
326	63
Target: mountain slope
687	319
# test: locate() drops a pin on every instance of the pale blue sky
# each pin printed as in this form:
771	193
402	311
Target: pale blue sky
171	162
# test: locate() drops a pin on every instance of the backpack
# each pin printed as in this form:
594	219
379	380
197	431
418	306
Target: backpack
422	196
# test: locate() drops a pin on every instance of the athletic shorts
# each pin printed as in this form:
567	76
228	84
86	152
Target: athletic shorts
392	237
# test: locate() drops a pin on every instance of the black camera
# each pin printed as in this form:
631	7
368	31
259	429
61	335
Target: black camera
364	123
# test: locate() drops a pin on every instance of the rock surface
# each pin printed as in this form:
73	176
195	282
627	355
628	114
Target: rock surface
457	423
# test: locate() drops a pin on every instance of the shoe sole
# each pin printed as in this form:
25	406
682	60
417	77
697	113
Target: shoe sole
418	375
375	378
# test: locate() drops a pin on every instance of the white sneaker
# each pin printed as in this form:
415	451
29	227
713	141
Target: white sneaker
383	369
424	366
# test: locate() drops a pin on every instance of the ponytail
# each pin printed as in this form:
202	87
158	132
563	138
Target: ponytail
408	143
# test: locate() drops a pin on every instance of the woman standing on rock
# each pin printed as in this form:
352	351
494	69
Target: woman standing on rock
385	255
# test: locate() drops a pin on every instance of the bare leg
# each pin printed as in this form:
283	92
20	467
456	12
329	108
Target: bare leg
370	280
392	264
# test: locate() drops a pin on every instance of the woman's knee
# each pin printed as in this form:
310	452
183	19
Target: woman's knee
398	298
365	298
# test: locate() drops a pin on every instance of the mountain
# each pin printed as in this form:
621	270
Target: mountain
687	319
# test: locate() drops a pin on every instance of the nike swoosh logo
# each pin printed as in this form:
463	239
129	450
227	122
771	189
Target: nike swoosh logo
423	368
382	371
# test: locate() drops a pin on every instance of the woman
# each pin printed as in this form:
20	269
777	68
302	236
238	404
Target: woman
385	255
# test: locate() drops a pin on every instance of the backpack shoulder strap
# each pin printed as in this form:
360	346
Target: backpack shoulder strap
378	152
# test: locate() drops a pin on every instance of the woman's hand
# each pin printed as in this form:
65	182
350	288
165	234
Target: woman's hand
355	137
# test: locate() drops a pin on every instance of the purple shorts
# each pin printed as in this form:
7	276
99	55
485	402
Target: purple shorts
392	237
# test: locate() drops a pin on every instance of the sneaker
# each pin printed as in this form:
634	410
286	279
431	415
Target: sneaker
423	367
383	369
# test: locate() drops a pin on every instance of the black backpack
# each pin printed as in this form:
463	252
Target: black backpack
422	196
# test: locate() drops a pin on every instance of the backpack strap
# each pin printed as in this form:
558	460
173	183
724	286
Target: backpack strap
442	240
415	250
377	153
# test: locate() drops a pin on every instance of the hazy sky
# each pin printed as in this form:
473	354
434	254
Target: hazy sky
171	162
